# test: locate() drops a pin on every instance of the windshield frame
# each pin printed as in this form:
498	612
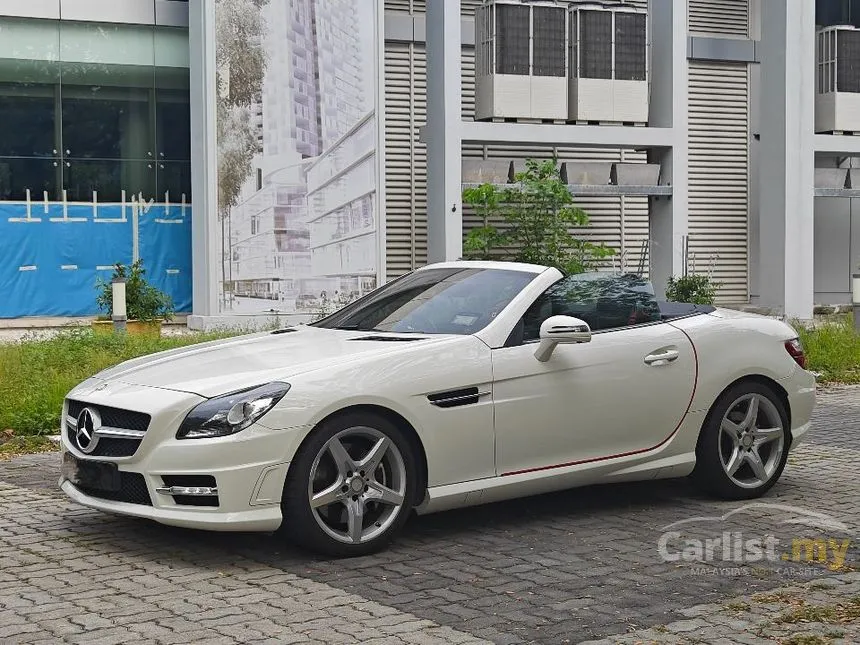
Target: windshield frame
479	319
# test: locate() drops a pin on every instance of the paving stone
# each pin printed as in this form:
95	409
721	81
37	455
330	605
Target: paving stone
571	566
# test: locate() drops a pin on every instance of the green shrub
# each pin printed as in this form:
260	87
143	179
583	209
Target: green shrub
142	300
537	213
833	350
36	374
695	289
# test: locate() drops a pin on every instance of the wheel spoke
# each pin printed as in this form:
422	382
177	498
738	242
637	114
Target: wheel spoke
766	435
751	415
357	485
342	460
327	496
755	462
734	462
379	493
373	458
355	519
732	429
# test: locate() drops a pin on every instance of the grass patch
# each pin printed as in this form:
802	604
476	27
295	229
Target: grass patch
15	446
36	374
769	598
807	639
833	350
839	613
737	606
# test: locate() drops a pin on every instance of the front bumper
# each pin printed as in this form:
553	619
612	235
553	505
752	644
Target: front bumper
267	518
249	467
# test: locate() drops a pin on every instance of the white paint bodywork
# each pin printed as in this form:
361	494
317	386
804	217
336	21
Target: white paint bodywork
593	412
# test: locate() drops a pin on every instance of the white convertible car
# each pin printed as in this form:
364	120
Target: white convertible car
458	384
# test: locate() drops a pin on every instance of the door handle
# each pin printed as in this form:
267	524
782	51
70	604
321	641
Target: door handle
662	357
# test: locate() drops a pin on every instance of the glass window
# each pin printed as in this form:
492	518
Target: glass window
109	177
90	107
603	300
459	300
29	86
18	175
28	120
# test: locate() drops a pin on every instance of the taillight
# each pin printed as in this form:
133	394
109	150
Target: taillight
795	348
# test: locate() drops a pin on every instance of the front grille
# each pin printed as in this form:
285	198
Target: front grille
132	490
114	418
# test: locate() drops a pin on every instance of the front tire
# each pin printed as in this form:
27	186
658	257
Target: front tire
350	487
744	443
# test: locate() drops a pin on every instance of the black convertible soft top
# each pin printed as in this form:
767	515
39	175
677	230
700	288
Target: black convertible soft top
669	310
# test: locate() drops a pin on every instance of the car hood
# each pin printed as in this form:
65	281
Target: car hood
218	367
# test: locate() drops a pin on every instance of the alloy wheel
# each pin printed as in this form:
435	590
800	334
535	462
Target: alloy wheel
357	485
751	441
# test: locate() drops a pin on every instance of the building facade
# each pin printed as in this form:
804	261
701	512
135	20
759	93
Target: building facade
719	170
95	162
360	155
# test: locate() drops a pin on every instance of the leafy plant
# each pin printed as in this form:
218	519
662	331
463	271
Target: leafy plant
537	213
37	372
693	288
143	301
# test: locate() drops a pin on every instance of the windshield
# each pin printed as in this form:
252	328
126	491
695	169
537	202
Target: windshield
458	300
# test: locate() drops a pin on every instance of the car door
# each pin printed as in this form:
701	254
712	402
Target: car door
626	391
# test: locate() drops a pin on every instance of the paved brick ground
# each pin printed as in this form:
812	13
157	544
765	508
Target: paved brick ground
567	567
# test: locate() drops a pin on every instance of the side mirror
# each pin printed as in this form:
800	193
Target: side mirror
560	329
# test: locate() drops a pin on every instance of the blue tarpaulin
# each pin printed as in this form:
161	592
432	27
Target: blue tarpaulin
52	255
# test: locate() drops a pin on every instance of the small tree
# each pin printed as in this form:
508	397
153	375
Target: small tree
538	213
143	301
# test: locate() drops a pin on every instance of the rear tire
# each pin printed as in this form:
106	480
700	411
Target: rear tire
350	488
744	443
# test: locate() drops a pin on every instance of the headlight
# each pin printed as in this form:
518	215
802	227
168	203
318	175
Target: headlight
231	413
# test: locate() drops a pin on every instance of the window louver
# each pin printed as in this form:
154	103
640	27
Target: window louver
548	41
630	48
512	40
595	44
848	61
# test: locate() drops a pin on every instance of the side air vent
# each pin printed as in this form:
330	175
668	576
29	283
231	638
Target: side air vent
390	339
284	331
455	398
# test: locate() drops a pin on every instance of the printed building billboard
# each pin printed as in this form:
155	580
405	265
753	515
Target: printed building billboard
298	211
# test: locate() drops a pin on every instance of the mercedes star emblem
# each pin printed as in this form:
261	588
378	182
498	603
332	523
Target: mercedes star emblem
89	422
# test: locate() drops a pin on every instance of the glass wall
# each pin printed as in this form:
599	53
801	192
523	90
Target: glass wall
93	109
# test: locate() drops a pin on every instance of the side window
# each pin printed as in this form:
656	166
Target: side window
603	300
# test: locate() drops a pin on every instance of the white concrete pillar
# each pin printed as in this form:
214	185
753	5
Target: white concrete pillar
206	257
444	204
786	157
668	109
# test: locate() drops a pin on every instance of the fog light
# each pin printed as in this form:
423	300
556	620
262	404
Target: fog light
191	491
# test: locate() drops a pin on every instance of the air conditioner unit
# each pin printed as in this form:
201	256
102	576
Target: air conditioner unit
520	60
837	96
608	63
